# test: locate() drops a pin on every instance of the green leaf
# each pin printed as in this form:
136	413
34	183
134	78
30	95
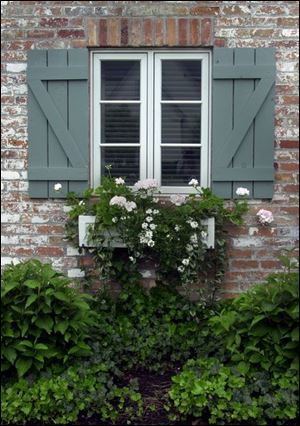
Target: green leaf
295	334
23	344
62	326
32	283
8	287
32	298
46	323
40	346
257	319
62	296
243	367
10	354
23	365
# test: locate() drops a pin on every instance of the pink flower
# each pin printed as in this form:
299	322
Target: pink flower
118	201
265	216
146	184
177	199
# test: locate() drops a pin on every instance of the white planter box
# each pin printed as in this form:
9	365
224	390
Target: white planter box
85	221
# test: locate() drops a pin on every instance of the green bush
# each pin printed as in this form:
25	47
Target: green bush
230	396
260	328
60	398
42	318
153	331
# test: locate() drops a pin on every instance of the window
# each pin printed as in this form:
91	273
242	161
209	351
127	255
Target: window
151	117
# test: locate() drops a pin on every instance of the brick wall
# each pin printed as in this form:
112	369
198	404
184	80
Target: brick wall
35	228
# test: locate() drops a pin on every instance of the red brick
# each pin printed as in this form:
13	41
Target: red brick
159	32
113	32
290	100
204	11
92	32
71	33
237	253
219	42
50	229
206	32
291	188
288	22
53	22
24	251
293	167
50	251
289	144
270	264
171	32
43	34
136	32
124	32
148	31
103	32
244	264
195	32
183	31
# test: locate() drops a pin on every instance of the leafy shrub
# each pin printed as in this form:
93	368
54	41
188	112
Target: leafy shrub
231	396
60	398
154	331
42	318
260	328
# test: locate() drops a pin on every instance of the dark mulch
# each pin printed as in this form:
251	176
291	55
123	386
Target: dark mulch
154	389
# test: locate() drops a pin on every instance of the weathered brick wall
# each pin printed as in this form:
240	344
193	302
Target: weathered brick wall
35	228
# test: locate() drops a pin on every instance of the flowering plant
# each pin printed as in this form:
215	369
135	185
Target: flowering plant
170	232
265	217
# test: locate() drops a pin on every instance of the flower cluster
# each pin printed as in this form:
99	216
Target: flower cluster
122	202
178	199
148	227
265	217
147	184
242	192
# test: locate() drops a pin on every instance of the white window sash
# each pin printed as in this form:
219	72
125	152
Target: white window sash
96	171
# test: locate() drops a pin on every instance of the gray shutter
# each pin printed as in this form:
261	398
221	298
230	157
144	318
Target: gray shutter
58	121
243	121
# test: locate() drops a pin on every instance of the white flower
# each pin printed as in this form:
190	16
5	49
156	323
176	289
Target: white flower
155	200
149	219
203	234
147	184
151	243
152	226
242	192
177	228
118	201
131	259
155	211
130	205
123	218
185	262
193	224
265	216
180	269
189	248
149	234
149	211
114	219
193	182
178	199
194	239
144	225
57	187
81	203
119	181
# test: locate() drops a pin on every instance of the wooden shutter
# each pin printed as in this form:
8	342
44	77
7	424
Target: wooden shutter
243	121
58	121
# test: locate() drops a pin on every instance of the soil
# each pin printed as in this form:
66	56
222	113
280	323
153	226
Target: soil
154	388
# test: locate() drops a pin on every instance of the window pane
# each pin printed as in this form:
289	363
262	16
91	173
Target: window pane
120	123
181	80
180	165
180	123
125	163
120	80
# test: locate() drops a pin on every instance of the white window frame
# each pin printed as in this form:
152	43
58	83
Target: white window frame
150	112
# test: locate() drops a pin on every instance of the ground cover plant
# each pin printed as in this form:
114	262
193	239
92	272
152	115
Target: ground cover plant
231	363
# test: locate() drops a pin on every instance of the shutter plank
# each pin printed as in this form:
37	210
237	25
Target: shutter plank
222	112
264	131
37	130
58	91
242	91
78	116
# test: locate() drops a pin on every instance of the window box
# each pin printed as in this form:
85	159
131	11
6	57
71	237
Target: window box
85	221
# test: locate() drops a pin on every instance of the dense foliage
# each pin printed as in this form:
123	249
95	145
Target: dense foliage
171	233
258	379
240	356
42	318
